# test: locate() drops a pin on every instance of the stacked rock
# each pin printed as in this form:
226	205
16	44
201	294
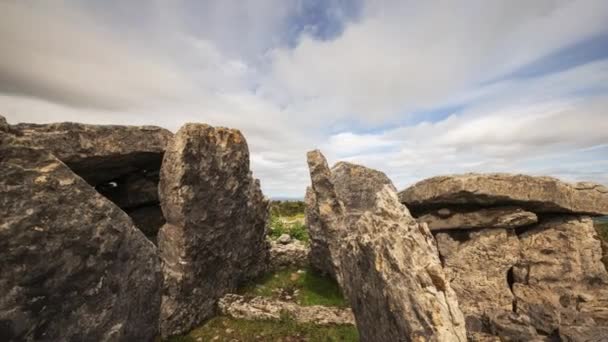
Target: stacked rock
520	252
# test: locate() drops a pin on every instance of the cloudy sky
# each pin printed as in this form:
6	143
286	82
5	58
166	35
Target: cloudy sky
412	88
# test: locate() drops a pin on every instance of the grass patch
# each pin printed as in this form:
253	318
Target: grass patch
290	225
307	288
223	329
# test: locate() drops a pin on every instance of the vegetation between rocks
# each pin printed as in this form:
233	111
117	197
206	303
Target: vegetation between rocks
305	287
287	217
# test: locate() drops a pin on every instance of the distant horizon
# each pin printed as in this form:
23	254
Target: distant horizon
412	89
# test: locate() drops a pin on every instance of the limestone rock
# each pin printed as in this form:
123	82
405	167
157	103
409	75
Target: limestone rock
74	268
260	308
293	254
498	217
319	256
356	187
537	194
386	263
97	153
284	239
4	126
216	215
477	269
560	280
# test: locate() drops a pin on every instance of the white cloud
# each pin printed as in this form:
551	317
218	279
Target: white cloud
228	63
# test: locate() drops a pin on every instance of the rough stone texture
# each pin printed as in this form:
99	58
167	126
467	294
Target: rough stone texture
560	280
4	126
386	263
216	215
477	270
260	308
538	194
293	254
356	187
74	268
499	217
97	153
319	256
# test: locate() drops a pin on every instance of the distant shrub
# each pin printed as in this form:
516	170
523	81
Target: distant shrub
286	208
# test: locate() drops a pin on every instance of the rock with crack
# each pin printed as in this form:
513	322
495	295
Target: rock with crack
214	237
260	308
97	153
498	217
355	186
386	263
293	254
537	194
74	268
560	280
476	264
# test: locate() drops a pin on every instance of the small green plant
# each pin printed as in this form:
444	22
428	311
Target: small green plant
292	226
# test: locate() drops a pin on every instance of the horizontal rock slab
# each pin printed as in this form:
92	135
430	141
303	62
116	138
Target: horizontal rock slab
97	153
260	308
537	194
499	217
73	267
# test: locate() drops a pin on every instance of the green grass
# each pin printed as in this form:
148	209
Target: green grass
313	288
228	329
291	225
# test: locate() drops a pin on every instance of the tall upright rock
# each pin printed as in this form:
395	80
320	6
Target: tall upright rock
73	267
386	263
216	214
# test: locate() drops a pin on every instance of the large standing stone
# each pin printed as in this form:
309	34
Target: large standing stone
477	263
386	262
74	268
97	153
356	187
538	194
216	217
560	280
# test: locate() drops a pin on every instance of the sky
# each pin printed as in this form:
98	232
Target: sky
412	88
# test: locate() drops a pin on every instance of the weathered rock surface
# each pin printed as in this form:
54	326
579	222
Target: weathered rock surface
260	308
292	254
97	153
216	215
477	264
4	126
537	194
386	263
319	256
560	280
498	217
74	268
356	187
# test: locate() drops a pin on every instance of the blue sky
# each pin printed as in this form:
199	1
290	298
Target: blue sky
412	88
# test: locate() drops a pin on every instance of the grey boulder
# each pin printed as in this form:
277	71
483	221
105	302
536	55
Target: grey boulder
214	237
74	268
